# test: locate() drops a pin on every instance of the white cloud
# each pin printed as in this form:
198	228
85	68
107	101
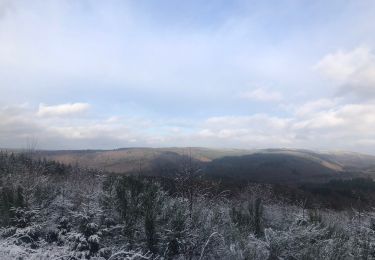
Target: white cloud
320	124
342	125
249	122
315	106
18	125
62	110
354	71
258	130
317	124
261	94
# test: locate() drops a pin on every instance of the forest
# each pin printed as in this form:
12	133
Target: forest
50	210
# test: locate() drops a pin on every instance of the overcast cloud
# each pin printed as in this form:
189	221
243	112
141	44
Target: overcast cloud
248	74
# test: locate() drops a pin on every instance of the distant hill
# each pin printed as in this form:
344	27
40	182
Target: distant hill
129	160
263	165
273	168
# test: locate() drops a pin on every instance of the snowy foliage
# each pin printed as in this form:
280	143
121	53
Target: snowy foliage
73	213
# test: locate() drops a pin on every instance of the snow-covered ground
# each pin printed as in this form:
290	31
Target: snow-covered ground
11	251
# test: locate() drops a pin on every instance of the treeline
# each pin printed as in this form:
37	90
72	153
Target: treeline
54	211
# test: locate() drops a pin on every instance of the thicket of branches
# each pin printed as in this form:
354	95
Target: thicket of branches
53	211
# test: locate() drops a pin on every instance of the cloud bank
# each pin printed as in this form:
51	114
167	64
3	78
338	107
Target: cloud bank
318	124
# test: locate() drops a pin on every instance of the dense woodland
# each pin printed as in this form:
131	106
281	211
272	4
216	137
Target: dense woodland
53	211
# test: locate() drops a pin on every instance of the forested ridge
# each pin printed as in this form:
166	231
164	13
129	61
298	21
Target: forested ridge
50	210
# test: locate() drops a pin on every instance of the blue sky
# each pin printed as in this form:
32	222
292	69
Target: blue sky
240	74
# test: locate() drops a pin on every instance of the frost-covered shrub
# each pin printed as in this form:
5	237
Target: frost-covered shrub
175	228
108	222
314	216
130	255
7	232
78	241
11	197
94	243
248	216
51	235
88	241
23	217
64	224
105	252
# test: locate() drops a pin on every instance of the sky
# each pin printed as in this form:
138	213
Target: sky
228	74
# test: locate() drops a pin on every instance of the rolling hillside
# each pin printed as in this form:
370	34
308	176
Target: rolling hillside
128	160
273	168
264	165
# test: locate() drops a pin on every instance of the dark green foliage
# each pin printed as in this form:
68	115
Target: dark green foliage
315	216
6	203
51	235
138	199
151	207
19	199
256	212
129	192
10	198
176	232
22	217
249	216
